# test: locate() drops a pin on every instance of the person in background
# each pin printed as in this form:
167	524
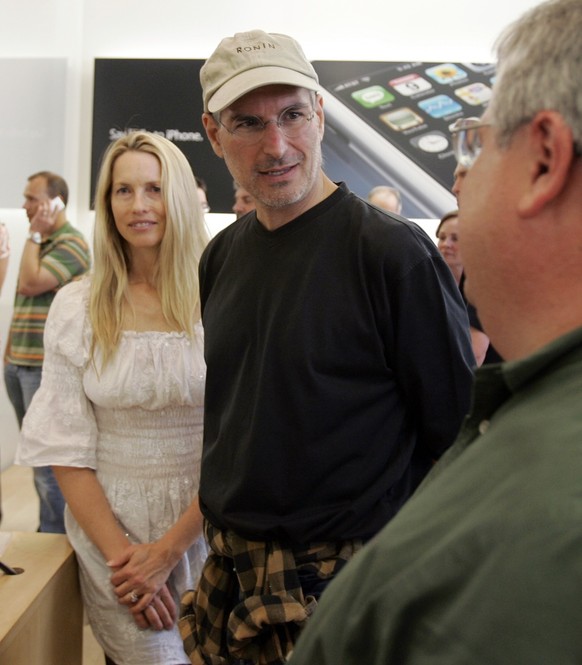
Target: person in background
447	234
54	253
387	198
120	408
339	361
202	190
243	201
491	354
4	253
4	256
483	565
458	176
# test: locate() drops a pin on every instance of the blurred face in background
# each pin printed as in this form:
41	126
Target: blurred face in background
459	175
448	244
386	200
203	200
243	202
35	192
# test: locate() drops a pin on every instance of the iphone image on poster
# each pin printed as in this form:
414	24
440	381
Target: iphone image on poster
388	123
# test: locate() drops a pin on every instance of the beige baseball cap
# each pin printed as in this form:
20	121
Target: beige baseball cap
250	60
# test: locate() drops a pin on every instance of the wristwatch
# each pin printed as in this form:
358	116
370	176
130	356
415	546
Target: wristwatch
36	237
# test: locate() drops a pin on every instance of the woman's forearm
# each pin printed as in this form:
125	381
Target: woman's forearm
184	533
89	505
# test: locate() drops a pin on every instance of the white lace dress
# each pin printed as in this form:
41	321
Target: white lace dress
139	425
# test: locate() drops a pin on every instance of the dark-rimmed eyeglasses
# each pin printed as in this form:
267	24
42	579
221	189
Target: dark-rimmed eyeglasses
466	140
250	128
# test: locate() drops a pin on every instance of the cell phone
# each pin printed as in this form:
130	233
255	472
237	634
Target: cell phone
388	122
56	204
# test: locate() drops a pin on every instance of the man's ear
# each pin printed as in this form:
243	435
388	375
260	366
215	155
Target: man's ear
550	147
212	127
320	114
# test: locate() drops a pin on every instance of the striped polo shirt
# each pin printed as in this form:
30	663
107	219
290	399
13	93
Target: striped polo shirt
65	254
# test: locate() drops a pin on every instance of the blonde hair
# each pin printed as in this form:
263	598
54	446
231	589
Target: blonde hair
176	276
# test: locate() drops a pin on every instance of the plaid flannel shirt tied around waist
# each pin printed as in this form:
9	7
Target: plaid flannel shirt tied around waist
249	604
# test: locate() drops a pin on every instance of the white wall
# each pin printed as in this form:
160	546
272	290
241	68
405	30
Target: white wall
81	30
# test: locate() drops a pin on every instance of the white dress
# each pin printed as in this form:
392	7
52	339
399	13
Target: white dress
139	425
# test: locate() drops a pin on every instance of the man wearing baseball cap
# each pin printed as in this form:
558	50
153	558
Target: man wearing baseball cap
339	362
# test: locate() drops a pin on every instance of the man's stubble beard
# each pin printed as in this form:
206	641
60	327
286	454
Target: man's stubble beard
272	198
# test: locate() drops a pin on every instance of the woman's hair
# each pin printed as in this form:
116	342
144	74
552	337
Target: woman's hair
185	237
447	215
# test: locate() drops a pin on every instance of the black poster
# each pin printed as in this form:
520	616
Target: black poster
387	123
162	96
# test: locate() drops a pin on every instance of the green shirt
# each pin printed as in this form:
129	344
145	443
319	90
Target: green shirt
483	565
65	254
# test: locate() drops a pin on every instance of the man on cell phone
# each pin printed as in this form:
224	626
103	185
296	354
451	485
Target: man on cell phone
54	253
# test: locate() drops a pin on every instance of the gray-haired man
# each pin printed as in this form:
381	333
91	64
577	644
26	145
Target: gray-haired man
483	565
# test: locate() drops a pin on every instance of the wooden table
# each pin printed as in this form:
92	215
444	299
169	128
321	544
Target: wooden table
41	613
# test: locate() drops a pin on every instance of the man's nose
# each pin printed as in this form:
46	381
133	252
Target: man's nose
273	139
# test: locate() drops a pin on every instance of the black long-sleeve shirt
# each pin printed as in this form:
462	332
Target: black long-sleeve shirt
339	368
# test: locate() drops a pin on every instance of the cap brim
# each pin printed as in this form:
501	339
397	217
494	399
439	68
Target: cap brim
255	78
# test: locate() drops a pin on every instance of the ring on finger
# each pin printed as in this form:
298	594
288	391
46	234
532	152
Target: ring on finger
133	597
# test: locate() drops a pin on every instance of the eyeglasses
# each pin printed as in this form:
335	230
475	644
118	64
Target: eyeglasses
250	129
466	140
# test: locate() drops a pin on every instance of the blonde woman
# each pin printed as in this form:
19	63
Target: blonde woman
119	411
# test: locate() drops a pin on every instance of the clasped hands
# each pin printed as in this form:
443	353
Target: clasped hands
139	580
